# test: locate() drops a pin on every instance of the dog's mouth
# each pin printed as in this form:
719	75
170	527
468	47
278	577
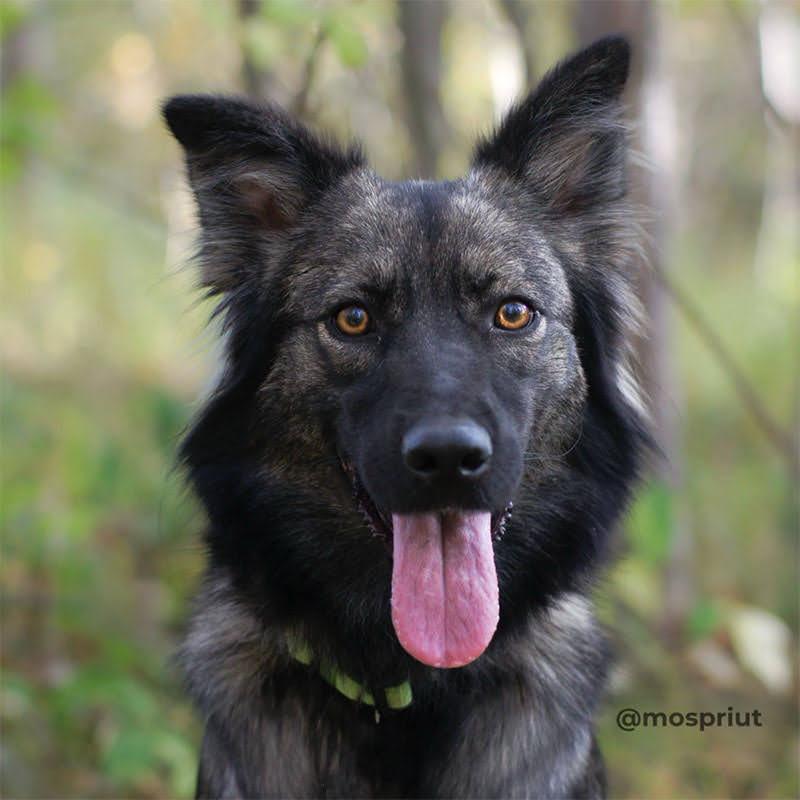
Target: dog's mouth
445	598
380	522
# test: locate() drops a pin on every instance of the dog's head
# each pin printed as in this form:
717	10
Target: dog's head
437	350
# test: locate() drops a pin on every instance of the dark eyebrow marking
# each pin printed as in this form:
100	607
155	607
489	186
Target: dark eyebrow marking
492	282
379	287
379	292
481	284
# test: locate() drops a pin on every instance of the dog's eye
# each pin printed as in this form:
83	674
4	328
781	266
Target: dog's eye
513	315
352	320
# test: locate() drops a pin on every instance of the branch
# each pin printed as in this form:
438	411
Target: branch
780	439
299	105
257	81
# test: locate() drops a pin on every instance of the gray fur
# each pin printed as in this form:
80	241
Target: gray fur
538	722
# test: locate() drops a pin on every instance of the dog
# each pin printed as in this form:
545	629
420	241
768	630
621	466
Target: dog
423	437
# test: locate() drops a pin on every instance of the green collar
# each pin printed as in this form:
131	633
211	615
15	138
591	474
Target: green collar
397	697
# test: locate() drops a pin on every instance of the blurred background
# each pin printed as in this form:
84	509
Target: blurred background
105	350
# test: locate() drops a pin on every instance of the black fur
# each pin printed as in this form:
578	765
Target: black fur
293	227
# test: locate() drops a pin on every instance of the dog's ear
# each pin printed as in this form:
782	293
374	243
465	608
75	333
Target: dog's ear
253	169
566	141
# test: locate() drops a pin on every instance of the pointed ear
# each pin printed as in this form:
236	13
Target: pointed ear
253	170
567	140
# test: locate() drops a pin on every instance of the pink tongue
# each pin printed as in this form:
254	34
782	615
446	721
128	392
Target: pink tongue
444	586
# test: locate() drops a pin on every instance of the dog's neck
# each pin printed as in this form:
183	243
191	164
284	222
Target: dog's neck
228	650
393	697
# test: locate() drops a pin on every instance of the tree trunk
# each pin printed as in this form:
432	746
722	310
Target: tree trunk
421	23
650	97
259	83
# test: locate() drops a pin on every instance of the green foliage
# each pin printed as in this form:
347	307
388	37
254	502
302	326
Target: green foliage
338	23
11	16
290	13
348	41
704	619
651	522
136	753
28	106
100	365
88	545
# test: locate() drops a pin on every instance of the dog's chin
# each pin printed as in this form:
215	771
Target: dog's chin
379	521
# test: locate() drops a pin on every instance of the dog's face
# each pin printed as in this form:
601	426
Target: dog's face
417	345
434	330
434	327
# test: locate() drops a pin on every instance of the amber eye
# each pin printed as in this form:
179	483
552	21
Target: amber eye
513	315
352	320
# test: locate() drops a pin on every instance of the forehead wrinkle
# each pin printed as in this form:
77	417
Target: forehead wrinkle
363	252
481	241
372	278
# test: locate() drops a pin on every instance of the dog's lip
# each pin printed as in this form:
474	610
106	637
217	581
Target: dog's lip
380	523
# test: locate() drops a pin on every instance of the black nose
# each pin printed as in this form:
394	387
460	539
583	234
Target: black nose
450	448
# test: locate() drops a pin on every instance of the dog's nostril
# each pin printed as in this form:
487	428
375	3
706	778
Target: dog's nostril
473	461
447	448
421	461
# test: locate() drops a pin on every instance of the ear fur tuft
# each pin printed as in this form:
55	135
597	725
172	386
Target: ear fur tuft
253	169
566	141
